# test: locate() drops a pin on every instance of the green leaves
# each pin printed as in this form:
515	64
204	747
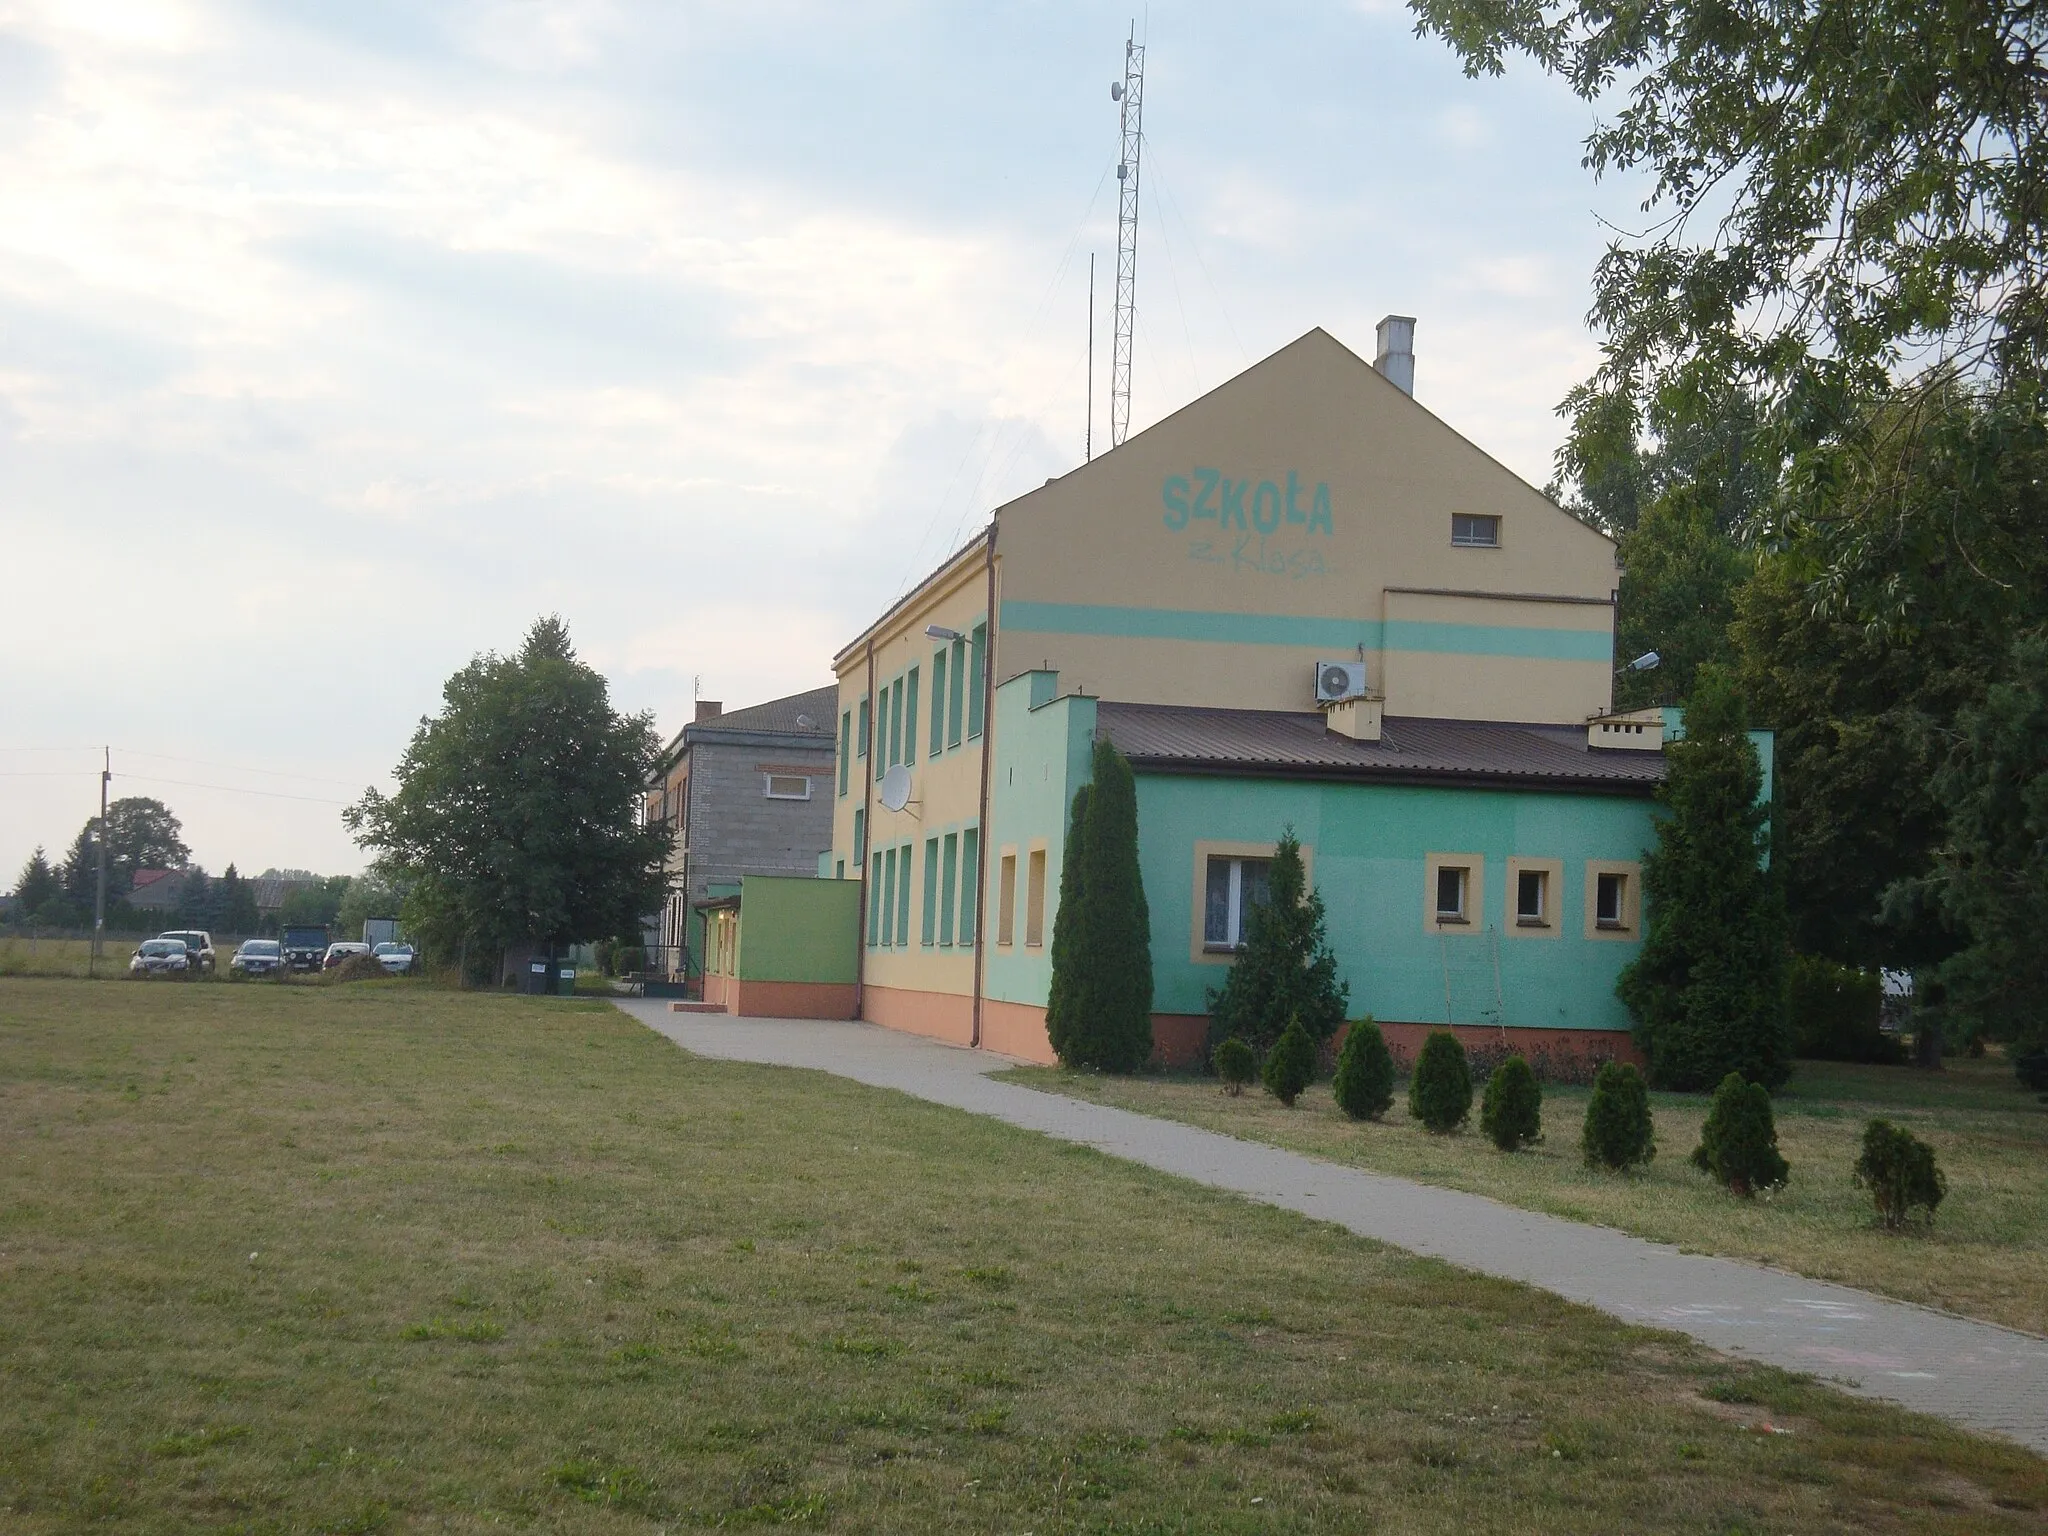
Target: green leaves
1285	969
516	816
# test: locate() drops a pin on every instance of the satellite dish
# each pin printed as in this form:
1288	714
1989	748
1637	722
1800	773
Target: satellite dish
805	723
896	788
1116	90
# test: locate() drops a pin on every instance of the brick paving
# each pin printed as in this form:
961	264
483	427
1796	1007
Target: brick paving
1977	1375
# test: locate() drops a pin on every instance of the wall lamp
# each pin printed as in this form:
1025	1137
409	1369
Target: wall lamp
1643	663
940	632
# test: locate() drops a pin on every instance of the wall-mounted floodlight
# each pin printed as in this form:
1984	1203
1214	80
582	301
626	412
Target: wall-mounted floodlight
1646	662
940	632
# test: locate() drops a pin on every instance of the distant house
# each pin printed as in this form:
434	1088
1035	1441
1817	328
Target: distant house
156	890
747	792
271	891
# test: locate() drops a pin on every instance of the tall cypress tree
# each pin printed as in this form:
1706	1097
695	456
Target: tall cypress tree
1708	988
1102	977
1285	970
1066	928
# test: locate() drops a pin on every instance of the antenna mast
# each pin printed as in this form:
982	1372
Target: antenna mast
1088	433
1131	93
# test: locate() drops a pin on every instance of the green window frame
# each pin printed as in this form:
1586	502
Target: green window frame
874	906
954	715
949	897
903	900
888	897
970	881
977	663
861	746
910	720
845	748
894	695
860	835
929	934
938	741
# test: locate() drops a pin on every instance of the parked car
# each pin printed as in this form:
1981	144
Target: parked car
305	945
161	957
198	948
258	957
345	950
398	959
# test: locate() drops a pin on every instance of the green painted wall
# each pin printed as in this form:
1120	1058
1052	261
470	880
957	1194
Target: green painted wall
793	929
1369	845
1046	747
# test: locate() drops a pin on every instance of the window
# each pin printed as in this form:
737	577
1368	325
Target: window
1614	899
1034	898
910	722
953	704
929	934
1473	531
862	749
875	905
845	747
895	698
839	870
1231	888
970	882
977	662
1608	890
888	858
860	835
1452	880
1532	898
938	741
1006	900
949	852
903	898
787	786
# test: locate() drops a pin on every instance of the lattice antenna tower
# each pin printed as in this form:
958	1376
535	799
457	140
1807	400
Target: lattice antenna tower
1130	94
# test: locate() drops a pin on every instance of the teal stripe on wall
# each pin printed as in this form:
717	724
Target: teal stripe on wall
1308	632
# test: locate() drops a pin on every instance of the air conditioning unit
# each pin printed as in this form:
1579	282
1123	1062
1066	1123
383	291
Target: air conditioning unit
1337	681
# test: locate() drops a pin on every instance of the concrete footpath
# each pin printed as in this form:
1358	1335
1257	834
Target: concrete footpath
1977	1375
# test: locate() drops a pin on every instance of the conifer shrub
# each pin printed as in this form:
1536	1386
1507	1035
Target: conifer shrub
1511	1113
1739	1142
1285	969
1618	1133
1067	920
1102	975
1898	1169
1235	1065
1364	1083
1440	1092
1707	990
1291	1064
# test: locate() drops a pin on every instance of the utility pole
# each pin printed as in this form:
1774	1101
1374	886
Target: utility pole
99	900
1088	435
1131	93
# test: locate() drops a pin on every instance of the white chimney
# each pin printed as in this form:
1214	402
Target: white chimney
1396	361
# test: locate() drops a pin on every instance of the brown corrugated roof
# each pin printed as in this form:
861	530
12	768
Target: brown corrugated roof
1172	738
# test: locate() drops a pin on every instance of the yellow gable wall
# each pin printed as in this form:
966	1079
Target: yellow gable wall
1146	576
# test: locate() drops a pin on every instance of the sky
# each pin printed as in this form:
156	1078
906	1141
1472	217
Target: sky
340	342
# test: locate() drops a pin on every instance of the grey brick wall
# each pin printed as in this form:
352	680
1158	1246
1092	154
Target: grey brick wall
735	829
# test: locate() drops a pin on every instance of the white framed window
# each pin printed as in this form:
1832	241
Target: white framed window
1532	898
1453	893
1610	898
1473	530
787	786
1231	887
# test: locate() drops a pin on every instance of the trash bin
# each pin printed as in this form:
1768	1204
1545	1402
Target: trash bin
538	978
565	984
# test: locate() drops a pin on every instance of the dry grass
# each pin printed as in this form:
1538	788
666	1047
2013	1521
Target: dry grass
1986	1255
351	1259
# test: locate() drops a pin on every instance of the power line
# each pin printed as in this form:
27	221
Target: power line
232	789
273	773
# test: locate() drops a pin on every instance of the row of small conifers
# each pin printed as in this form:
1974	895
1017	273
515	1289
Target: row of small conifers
1738	1144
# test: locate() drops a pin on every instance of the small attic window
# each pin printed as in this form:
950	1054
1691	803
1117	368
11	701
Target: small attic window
1470	530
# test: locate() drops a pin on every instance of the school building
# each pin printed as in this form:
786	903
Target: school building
1301	601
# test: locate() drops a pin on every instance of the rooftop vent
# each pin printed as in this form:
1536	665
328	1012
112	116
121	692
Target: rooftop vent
1396	360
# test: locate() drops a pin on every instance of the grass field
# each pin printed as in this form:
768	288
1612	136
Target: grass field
1986	1255
333	1259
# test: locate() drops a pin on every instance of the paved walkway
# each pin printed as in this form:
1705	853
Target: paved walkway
1975	1374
